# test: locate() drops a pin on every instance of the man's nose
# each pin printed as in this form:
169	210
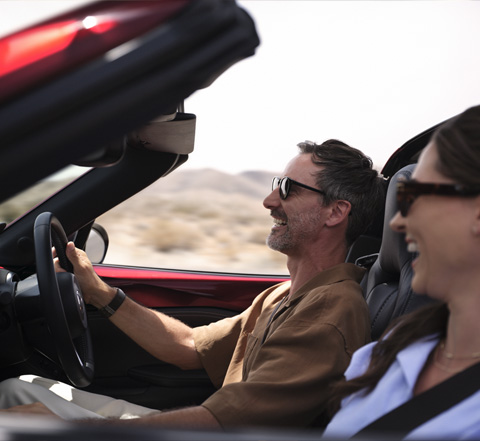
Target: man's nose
272	200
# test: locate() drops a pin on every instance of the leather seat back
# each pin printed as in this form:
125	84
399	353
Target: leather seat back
387	285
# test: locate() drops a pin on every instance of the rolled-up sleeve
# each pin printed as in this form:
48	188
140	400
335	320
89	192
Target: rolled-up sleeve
221	345
215	345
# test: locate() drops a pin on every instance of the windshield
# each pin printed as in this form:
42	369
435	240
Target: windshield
22	203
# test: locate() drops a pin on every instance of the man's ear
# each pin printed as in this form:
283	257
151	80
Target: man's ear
339	212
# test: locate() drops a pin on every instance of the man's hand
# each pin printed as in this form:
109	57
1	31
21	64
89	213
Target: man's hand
33	408
95	291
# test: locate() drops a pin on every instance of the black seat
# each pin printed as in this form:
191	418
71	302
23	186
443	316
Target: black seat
365	245
387	286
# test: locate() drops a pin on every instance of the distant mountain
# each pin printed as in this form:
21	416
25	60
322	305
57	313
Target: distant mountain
254	184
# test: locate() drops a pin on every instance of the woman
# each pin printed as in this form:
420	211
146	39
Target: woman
442	224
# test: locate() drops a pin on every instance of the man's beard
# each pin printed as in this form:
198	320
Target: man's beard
299	229
281	242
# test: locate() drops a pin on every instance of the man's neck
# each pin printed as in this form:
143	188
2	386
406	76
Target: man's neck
303	268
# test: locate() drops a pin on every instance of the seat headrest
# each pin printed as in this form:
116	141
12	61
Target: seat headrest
387	286
393	252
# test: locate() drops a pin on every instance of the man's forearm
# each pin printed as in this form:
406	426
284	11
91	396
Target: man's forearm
189	417
186	418
162	336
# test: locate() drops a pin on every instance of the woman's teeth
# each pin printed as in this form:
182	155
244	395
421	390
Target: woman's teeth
412	247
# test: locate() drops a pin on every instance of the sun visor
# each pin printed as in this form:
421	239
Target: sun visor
172	136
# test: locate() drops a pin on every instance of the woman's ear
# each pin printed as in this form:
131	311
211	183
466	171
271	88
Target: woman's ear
340	211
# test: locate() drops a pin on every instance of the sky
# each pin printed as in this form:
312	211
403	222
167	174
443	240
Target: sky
370	73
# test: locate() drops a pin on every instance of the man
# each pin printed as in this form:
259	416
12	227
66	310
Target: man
274	362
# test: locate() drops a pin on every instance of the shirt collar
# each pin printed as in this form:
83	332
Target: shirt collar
335	274
413	358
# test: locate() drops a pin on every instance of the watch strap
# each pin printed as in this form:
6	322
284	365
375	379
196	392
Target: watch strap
111	308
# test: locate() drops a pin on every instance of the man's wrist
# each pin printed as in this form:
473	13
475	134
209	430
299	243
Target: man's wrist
110	309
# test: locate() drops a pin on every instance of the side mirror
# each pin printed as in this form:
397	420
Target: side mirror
97	244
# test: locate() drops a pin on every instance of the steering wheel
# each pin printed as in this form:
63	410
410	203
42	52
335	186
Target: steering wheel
62	302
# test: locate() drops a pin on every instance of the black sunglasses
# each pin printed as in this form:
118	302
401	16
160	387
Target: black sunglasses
408	191
285	184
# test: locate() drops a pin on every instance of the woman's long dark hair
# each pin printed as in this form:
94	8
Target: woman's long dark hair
458	146
428	320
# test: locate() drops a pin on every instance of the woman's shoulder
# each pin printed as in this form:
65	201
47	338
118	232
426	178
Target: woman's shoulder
417	350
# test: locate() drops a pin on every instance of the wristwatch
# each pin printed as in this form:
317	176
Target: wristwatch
111	308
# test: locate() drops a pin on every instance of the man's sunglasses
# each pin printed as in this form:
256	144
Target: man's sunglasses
285	184
408	191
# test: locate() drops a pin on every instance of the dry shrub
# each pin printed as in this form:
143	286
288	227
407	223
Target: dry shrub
170	235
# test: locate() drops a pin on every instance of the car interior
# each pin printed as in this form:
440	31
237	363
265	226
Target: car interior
122	368
150	383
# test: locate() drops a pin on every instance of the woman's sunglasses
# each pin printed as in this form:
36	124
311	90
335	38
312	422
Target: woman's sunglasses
285	184
408	191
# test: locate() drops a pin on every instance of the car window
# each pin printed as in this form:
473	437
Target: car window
198	220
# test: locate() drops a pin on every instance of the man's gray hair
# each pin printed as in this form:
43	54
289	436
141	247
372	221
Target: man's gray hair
348	174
